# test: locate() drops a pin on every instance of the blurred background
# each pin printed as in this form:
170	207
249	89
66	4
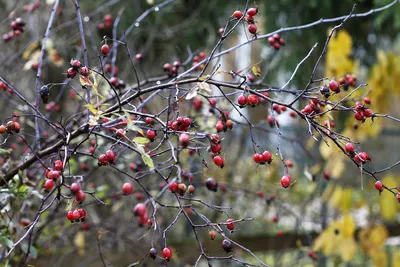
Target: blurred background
325	219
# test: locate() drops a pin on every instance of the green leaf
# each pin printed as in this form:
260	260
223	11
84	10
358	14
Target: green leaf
33	250
8	242
146	158
5	151
141	140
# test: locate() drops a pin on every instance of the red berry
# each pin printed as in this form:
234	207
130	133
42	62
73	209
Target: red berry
379	185
266	156
127	188
102	160
84	71
359	115
212	234
275	219
289	163
139	57
229	124
80	196
3	129
219	126
211	184
70	215
334	86
82	213
213	102
184	139
139	210
285	181
252	28
110	156
349	147
167	67
58	165
167	254
368	113
308	109
151	134
242	100
279	233
108	18
367	100
230	224
75	187
271	40
105	49
149	121
49	184
53	174
71	73
252	11
292	114
238	14
76	215
219	161
252	100
173	187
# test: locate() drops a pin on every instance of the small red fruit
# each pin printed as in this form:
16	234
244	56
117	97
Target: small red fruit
80	196
379	186
139	57
230	224
349	147
368	113
242	100
212	234
75	187
58	165
173	187
139	210
252	28
285	181
49	184
70	215
367	100
252	100
334	86
151	134
105	49
238	14
266	156
127	188
219	161
252	11
359	116
184	139
167	254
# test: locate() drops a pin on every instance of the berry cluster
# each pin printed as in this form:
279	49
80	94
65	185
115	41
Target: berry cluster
78	215
76	66
362	112
118	84
107	158
77	192
180	124
314	107
276	41
251	12
140	212
106	24
347	81
196	59
265	157
223	125
108	68
361	157
178	188
11	127
172	70
4	87
32	7
197	104
278	108
251	100
272	121
17	27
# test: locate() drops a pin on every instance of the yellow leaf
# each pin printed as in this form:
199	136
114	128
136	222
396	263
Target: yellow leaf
373	238
380	259
347	249
85	80
396	258
349	226
92	109
79	242
256	70
140	140
387	202
338	61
